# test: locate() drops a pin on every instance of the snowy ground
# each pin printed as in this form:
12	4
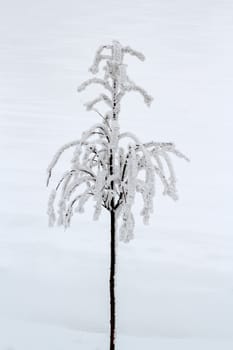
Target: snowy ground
175	280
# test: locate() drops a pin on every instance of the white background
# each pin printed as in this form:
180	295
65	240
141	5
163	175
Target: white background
174	286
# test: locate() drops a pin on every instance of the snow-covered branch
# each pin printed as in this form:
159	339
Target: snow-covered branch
102	98
99	57
88	82
133	87
132	52
58	155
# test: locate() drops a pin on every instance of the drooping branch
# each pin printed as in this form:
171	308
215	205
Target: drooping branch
92	131
132	52
57	156
168	147
170	191
99	57
102	97
88	82
81	199
133	87
65	178
50	210
69	173
76	184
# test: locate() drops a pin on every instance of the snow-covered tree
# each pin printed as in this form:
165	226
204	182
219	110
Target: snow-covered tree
103	169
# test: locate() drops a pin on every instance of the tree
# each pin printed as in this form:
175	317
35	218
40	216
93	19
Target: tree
102	169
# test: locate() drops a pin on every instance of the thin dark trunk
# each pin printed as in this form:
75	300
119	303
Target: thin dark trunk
113	239
112	283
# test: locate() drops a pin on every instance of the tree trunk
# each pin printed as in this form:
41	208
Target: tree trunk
112	281
113	234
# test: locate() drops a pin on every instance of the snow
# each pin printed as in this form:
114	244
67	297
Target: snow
174	281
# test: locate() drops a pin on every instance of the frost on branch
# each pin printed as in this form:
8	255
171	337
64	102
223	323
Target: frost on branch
102	168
